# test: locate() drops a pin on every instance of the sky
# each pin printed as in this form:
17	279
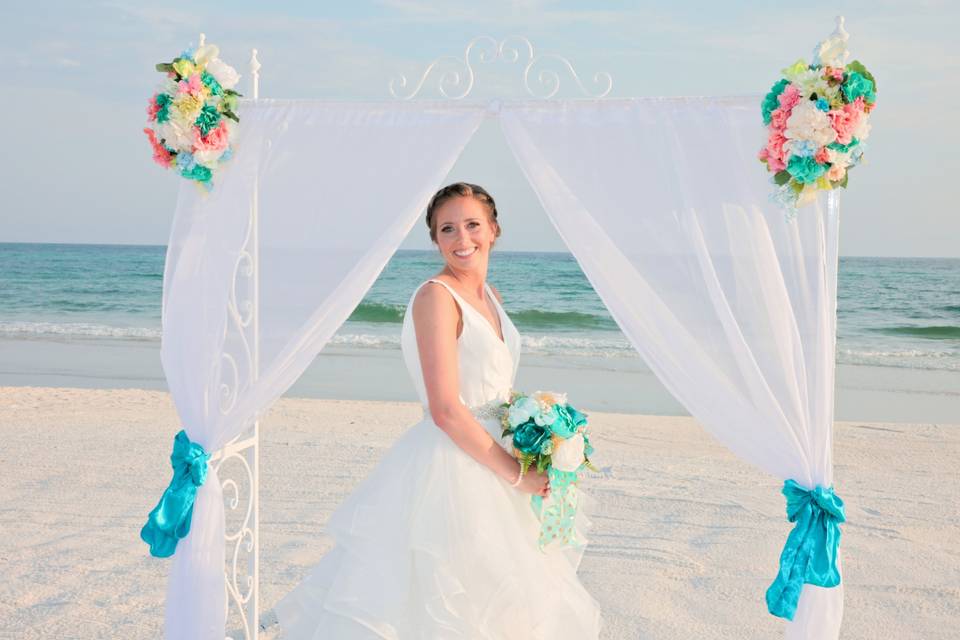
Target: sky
78	75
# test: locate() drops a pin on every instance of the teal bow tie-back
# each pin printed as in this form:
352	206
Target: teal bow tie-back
170	519
810	553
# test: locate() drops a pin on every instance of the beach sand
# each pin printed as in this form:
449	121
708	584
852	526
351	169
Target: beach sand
686	537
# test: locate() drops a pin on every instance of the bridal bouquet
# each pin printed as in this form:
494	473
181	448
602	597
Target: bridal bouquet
550	434
817	117
191	116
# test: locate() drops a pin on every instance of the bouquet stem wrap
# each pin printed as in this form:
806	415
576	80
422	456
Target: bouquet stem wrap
557	512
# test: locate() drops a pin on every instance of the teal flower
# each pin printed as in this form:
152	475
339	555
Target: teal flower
529	438
211	82
770	103
805	169
843	148
208	119
858	85
163	107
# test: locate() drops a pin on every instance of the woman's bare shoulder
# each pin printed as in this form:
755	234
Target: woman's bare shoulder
496	293
433	298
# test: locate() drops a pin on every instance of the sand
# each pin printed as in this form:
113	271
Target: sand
686	540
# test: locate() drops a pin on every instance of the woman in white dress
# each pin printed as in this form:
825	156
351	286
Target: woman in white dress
439	541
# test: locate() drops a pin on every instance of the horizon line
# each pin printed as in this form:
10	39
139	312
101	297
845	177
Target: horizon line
565	252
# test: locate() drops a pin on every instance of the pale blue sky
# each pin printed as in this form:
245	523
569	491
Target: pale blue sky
77	75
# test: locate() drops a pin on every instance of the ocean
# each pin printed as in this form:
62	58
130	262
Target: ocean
894	313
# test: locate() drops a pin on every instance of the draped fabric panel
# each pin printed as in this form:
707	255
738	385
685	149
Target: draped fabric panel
337	187
665	207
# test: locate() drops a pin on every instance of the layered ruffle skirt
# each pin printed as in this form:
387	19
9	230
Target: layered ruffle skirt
433	545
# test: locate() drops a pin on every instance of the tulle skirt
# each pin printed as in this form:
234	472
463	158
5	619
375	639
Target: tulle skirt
433	545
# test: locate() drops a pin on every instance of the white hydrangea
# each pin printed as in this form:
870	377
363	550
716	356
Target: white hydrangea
176	134
838	158
806	122
863	129
209	158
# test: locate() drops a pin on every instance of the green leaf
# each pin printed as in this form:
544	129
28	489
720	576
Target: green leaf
543	462
857	66
781	177
164	67
230	114
589	465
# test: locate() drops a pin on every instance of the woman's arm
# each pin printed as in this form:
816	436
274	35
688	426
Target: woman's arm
435	317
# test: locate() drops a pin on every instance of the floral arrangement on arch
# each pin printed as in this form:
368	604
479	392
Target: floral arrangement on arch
817	118
192	115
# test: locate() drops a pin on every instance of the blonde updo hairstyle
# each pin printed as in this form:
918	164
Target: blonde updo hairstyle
455	190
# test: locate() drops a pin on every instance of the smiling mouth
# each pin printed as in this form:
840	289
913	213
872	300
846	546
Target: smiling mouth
465	254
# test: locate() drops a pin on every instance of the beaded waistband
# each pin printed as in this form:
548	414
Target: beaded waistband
489	411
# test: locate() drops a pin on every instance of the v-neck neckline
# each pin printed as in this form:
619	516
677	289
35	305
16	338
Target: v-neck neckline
496	306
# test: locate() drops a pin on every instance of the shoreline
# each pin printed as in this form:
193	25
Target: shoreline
619	385
686	540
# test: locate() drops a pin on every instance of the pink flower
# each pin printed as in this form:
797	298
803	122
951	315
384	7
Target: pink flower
216	139
774	153
822	156
836	173
789	98
152	109
778	119
160	154
193	85
846	120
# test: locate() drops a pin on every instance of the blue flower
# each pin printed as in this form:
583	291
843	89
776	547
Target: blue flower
185	162
545	419
522	410
823	104
803	148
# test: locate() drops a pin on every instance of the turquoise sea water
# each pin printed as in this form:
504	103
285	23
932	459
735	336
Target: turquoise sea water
893	312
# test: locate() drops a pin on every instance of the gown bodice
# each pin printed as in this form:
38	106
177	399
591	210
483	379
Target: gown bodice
487	366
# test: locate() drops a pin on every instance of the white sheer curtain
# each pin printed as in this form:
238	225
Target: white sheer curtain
339	187
664	205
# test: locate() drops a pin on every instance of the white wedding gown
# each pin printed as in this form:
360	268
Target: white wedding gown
432	544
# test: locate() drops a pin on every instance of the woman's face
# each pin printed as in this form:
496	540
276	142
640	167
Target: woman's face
465	233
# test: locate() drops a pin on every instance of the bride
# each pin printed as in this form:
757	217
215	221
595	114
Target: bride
439	541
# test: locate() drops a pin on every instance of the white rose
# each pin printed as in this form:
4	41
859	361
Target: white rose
568	456
223	73
806	122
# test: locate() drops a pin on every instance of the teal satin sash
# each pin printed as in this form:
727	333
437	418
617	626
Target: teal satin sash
810	553
170	519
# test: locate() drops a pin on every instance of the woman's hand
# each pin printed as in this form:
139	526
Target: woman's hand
535	482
